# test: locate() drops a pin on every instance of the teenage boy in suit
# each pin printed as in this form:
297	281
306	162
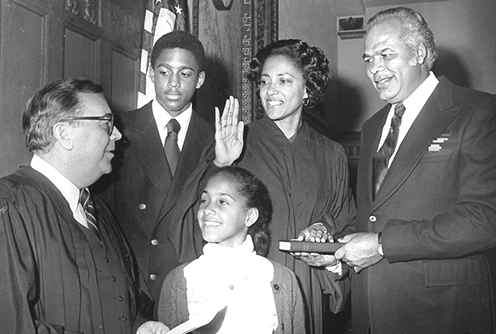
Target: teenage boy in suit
146	183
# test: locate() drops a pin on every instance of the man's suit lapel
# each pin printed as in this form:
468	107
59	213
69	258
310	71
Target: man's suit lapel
188	161
371	135
149	151
434	117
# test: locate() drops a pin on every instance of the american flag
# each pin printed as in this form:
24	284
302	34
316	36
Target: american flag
161	17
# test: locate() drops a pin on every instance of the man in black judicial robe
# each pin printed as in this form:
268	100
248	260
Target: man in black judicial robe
60	273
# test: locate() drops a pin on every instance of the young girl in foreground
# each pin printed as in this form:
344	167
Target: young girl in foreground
262	296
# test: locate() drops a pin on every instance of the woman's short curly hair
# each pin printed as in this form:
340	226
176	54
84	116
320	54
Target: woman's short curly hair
256	196
311	60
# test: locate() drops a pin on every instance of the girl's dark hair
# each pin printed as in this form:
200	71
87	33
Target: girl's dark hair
257	196
311	60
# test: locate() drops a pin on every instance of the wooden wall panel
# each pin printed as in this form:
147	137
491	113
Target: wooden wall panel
219	32
21	72
42	40
124	80
81	55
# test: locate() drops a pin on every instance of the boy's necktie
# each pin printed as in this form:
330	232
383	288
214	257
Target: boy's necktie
170	146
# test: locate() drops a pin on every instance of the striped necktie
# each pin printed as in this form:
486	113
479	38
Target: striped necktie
380	160
89	210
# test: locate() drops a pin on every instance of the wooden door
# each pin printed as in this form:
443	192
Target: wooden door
41	40
231	35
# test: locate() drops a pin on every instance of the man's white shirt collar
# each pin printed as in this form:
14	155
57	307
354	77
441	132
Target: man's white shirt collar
419	97
413	105
66	187
162	117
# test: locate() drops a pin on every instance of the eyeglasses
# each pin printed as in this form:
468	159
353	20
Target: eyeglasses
109	118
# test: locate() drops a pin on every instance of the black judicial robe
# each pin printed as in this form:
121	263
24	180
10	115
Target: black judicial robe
49	278
308	182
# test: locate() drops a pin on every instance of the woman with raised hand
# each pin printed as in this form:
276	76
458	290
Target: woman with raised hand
306	173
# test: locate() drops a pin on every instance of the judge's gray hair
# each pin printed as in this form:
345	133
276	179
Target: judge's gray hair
51	103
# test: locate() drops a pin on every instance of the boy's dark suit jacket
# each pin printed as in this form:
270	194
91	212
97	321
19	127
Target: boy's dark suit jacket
437	214
145	190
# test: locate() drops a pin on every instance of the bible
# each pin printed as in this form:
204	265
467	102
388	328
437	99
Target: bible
309	247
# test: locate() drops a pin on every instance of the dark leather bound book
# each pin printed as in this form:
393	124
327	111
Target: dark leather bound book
309	247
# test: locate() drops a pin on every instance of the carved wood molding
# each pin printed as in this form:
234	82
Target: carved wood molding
126	27
265	33
72	6
266	24
89	10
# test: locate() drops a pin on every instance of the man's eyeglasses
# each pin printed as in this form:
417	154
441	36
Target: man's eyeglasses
109	118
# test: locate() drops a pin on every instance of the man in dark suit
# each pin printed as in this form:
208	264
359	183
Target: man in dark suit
424	230
147	181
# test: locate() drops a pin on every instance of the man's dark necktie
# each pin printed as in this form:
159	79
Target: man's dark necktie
171	148
380	160
89	210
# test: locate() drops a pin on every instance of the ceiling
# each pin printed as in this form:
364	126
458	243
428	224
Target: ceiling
357	7
375	3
